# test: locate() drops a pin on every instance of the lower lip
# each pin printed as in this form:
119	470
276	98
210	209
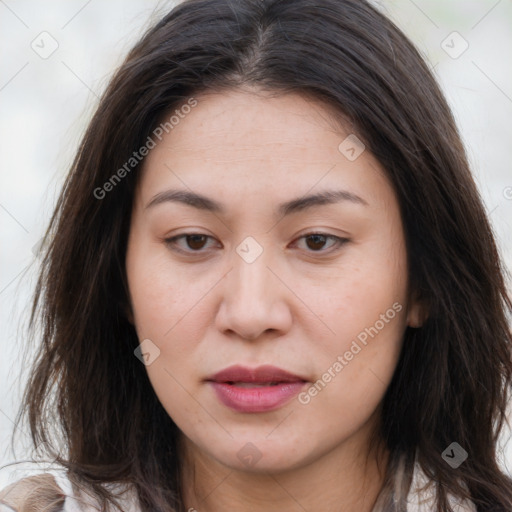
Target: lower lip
260	399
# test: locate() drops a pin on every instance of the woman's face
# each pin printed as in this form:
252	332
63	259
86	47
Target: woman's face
252	285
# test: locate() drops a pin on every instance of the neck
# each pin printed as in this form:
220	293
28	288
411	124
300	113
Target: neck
346	479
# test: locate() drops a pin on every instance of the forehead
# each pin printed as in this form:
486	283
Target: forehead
248	142
237	121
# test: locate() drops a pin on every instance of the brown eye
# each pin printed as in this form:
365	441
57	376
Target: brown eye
316	242
322	243
196	242
188	243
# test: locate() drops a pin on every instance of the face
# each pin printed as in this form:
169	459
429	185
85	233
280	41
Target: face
293	256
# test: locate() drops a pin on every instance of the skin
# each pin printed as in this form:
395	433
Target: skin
298	306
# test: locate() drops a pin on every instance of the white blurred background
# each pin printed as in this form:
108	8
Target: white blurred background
46	100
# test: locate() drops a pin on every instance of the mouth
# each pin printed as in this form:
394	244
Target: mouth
261	375
252	384
261	389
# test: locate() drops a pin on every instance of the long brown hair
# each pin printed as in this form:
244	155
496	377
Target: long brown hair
454	374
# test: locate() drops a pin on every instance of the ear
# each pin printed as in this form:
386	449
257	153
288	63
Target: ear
124	301
127	311
417	312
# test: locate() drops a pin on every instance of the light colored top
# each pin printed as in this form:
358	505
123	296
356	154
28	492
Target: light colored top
418	499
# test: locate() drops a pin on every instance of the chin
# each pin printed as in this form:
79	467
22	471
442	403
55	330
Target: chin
262	456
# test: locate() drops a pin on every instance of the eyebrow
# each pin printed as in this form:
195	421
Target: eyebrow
293	206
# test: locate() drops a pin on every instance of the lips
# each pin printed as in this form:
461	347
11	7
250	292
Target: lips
260	389
262	375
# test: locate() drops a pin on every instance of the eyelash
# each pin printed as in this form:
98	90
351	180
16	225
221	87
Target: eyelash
171	242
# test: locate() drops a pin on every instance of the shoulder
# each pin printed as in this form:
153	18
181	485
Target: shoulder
421	497
409	489
39	492
54	492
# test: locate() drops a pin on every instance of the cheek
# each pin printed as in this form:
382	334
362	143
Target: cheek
352	382
366	294
169	309
175	393
364	305
161	295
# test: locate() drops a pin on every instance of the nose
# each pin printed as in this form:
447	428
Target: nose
254	300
